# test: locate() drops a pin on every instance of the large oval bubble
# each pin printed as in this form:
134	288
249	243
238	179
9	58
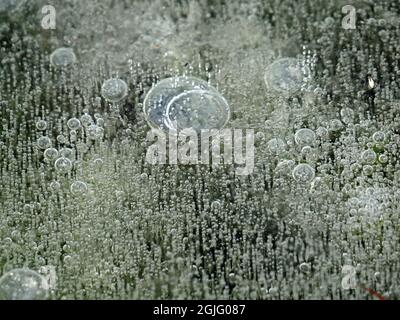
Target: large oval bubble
166	103
23	284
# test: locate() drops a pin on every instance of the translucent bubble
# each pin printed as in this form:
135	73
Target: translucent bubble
86	120
322	132
159	97
260	136
41	125
63	165
347	115
98	162
368	170
305	267
55	185
100	122
44	142
286	75
67	153
197	109
114	90
74	124
82	147
303	173
383	158
305	137
78	188
379	137
62	57
61	139
215	205
23	284
368	156
335	125
307	151
285	166
276	145
51	153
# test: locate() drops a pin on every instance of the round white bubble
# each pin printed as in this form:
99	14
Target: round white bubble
41	125
74	124
51	153
23	284
86	120
78	188
286	75
303	173
368	156
197	110
305	137
379	137
44	142
63	57
276	145
114	90
63	165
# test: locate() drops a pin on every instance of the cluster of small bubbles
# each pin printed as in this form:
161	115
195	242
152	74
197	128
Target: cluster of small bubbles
44	142
303	173
41	125
94	132
23	284
62	57
74	124
63	165
305	137
51	154
79	188
114	90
